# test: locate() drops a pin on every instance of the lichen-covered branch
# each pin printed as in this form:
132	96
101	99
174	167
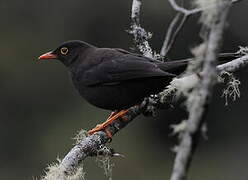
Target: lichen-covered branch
140	35
235	65
198	99
91	145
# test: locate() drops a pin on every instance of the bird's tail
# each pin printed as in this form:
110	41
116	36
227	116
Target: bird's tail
178	66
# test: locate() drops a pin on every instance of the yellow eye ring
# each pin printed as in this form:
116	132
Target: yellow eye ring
64	50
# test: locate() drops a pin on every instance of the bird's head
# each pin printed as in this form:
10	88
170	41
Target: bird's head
67	52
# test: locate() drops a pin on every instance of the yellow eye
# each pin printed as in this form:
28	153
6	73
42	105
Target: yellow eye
64	50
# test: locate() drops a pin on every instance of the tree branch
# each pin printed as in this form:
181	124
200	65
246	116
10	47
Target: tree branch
198	99
196	10
234	65
173	31
140	35
183	10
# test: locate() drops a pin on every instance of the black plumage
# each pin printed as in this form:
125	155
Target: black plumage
111	78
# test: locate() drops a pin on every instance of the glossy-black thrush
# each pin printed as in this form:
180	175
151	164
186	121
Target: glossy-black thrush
112	78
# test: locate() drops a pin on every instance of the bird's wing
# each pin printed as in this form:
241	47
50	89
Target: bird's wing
121	68
137	55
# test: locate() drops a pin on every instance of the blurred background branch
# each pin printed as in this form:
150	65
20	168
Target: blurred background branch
178	22
213	22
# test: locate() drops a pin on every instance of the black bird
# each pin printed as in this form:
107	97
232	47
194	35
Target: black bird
112	78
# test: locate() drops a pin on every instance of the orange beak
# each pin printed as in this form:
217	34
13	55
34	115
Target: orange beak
48	55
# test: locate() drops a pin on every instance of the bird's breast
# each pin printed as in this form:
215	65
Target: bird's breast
122	95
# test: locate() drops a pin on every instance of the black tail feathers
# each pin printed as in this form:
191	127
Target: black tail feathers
178	66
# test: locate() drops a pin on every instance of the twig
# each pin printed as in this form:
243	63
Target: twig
183	10
140	35
234	65
172	34
196	10
198	99
135	14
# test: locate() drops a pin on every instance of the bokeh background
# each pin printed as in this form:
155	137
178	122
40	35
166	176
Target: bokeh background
40	111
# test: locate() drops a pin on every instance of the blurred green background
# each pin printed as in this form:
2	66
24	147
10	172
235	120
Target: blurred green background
40	110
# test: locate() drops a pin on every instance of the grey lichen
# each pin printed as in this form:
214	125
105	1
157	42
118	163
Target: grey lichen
178	129
56	172
82	134
242	50
104	162
232	86
209	10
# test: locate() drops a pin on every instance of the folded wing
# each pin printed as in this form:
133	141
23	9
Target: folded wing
123	68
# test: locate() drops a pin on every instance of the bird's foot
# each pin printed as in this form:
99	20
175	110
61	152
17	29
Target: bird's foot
102	127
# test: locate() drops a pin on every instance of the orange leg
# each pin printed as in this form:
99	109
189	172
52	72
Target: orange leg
113	116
